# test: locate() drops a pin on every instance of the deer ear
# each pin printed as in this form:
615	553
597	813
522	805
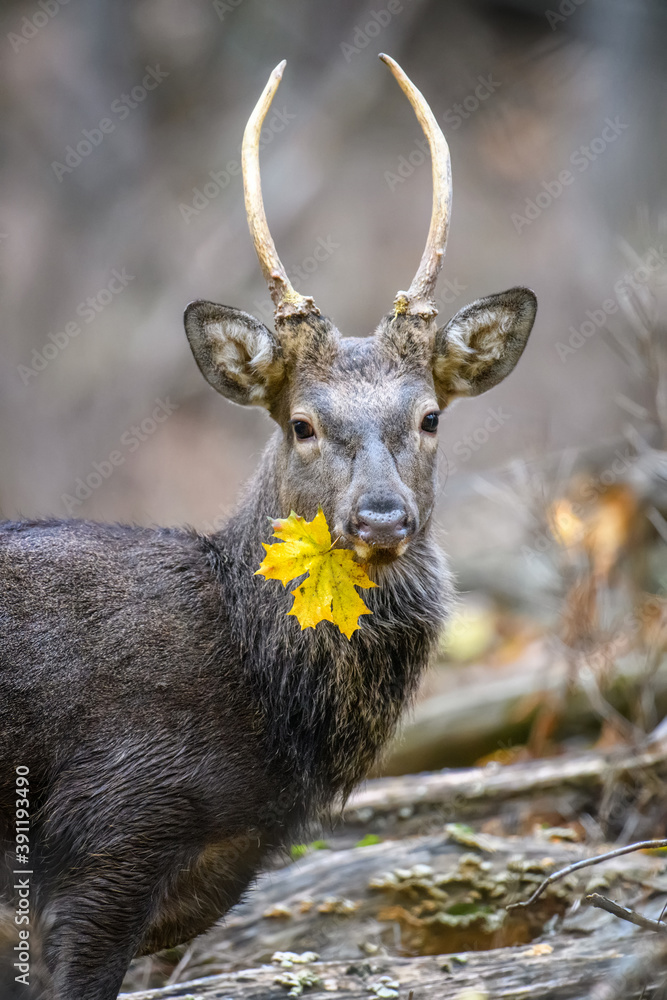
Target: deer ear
235	353
482	343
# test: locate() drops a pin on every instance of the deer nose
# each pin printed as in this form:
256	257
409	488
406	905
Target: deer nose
382	522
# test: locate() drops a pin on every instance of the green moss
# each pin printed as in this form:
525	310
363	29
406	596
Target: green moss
368	840
298	851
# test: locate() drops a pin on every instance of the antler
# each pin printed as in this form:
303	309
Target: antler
287	301
419	300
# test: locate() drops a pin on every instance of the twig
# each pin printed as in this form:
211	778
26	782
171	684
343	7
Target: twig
185	958
643	845
595	899
630	733
658	522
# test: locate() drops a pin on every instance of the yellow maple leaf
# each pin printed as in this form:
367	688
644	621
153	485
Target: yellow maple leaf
327	594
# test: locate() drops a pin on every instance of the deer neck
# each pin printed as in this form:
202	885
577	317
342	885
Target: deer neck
329	704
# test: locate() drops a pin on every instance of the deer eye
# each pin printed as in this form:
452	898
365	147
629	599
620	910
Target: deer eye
430	423
302	430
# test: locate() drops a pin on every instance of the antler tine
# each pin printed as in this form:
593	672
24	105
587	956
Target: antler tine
287	301
419	300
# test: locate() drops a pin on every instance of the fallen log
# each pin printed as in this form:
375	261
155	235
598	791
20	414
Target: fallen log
573	970
405	803
362	913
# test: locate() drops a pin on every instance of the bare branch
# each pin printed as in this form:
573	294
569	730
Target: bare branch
644	845
595	899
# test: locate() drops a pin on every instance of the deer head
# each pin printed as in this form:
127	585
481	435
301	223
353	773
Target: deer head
359	416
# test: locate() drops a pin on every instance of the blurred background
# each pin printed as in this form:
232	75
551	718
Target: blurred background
121	200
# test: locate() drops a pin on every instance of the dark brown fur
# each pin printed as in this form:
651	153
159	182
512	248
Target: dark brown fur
178	726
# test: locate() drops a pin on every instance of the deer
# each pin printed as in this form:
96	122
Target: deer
178	730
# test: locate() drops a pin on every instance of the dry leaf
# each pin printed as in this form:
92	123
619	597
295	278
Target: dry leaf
609	528
537	950
328	593
332	904
567	528
278	912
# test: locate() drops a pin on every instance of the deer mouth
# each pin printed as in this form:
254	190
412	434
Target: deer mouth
379	536
378	555
376	552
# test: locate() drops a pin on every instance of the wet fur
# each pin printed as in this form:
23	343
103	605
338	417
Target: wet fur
178	726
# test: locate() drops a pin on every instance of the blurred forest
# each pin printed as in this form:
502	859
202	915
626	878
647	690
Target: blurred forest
121	200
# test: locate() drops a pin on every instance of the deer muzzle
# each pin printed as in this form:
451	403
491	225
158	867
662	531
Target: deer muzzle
381	522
